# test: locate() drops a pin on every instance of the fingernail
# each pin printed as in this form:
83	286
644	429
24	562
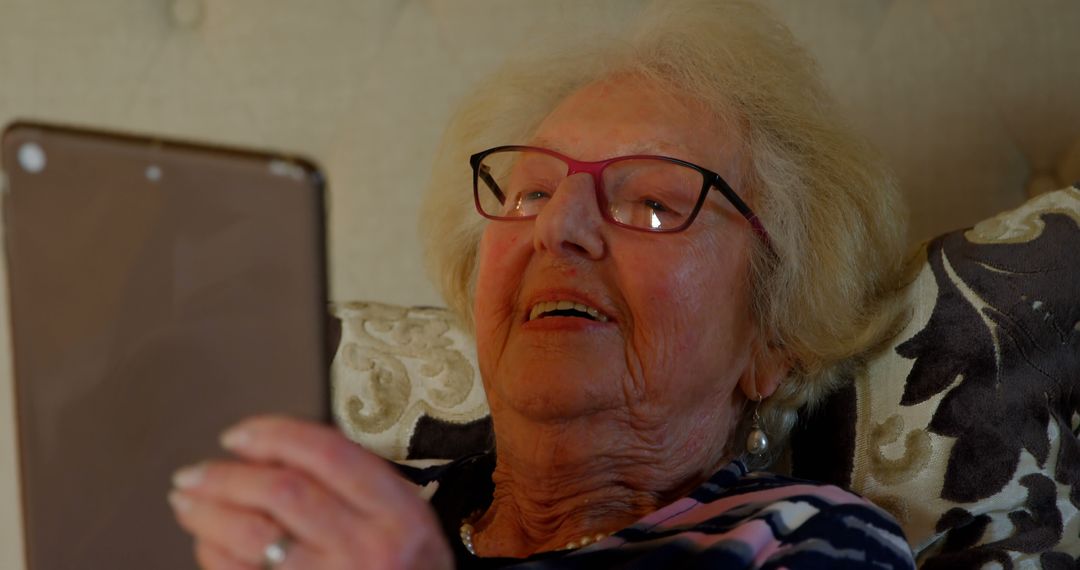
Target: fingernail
235	438
179	501
189	476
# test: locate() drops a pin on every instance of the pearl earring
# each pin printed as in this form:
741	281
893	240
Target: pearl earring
758	441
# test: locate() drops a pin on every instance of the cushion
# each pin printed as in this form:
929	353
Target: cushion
405	383
965	426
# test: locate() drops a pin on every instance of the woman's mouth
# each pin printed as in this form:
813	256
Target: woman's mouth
566	309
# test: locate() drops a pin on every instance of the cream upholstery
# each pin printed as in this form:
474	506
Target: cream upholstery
976	96
395	365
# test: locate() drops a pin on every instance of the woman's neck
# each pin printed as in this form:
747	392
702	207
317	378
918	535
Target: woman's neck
556	483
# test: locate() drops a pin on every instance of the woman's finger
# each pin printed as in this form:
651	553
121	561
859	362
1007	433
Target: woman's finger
290	498
211	557
231	534
366	480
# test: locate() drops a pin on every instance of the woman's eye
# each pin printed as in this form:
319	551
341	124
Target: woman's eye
649	212
655	206
533	196
528	203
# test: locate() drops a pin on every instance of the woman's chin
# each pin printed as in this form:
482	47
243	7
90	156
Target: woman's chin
557	391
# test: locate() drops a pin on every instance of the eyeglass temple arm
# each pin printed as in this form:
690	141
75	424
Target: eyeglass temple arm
722	186
485	173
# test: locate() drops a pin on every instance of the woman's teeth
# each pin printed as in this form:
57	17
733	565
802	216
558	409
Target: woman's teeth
542	309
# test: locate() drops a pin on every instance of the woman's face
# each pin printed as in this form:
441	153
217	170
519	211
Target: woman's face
678	335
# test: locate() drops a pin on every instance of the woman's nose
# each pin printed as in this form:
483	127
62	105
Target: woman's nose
570	223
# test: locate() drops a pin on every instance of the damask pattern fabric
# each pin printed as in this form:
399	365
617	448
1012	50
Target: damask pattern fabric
736	519
966	427
405	382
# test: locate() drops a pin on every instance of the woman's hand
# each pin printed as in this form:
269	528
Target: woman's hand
338	505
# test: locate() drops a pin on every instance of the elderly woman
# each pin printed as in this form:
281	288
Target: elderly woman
681	249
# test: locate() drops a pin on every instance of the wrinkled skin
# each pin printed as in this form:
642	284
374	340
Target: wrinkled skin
632	413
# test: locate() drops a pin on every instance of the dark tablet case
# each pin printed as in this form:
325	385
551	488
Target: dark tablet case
159	292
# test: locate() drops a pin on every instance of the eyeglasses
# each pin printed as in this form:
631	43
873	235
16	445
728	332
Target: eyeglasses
640	192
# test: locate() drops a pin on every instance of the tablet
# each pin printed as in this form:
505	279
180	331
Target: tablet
159	292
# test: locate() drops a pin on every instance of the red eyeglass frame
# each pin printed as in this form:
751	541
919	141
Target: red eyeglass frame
595	169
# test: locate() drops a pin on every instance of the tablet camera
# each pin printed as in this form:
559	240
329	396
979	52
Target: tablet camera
31	157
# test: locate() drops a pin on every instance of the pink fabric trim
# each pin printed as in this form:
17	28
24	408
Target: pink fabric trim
687	511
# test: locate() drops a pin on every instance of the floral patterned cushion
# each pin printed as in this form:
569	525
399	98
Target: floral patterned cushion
405	382
965	427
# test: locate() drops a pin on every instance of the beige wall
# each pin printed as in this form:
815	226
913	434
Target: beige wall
968	99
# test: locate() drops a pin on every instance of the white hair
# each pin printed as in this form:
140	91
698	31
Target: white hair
832	210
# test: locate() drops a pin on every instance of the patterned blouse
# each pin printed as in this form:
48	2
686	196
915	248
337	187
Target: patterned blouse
736	519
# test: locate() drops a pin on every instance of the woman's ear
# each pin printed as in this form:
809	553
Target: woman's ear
769	365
